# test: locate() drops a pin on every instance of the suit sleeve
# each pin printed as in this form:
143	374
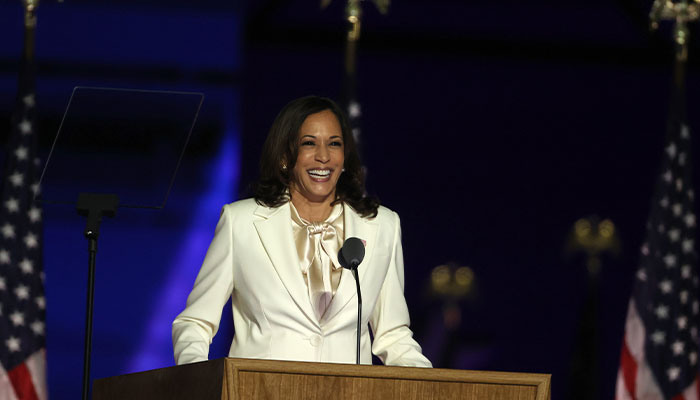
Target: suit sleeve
195	327
393	339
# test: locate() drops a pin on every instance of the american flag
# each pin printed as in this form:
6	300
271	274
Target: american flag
659	357
22	303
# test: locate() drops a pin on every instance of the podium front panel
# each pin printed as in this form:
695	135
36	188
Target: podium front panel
249	379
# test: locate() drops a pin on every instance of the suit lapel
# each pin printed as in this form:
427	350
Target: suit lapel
275	231
361	228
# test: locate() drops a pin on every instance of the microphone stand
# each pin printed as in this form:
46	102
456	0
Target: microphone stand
350	256
359	311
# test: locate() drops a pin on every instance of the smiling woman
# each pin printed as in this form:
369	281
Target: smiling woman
318	166
276	256
283	146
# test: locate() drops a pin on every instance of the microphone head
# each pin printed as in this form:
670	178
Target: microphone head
352	253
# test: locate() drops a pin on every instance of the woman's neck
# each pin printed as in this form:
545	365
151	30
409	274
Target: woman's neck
312	211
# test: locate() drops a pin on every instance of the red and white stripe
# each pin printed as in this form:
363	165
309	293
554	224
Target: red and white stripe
26	381
634	378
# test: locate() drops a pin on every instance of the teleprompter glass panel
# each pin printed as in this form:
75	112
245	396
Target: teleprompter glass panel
118	141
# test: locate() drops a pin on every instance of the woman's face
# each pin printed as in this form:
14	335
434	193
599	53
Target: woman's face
320	159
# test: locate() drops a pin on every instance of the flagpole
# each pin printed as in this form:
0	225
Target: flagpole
681	13
353	17
30	7
681	37
353	13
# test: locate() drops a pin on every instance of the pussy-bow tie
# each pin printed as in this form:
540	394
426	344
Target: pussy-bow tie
317	244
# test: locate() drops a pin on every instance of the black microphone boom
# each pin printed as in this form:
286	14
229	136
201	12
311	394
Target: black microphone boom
350	256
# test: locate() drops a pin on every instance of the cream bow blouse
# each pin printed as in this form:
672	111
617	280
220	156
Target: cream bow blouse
317	245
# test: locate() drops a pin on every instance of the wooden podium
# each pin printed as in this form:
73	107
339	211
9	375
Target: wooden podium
244	379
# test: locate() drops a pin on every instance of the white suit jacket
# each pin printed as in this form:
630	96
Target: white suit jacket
252	260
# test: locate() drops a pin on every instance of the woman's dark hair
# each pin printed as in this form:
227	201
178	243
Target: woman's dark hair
282	147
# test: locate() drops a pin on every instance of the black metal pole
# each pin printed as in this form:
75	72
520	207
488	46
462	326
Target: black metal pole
92	250
93	206
359	313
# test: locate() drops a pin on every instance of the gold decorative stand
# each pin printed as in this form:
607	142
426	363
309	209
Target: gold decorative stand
244	379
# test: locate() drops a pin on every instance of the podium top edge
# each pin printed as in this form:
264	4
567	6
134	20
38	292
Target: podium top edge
388	372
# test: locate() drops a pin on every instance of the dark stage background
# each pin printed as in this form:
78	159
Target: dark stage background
490	127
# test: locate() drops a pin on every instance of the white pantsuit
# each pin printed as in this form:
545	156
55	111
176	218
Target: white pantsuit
253	260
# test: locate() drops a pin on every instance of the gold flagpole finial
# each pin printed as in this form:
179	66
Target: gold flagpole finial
681	12
353	12
30	7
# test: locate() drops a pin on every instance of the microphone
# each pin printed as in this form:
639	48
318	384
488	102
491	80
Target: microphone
352	253
350	256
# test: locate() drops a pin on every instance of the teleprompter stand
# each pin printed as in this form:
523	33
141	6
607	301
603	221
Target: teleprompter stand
93	206
133	142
